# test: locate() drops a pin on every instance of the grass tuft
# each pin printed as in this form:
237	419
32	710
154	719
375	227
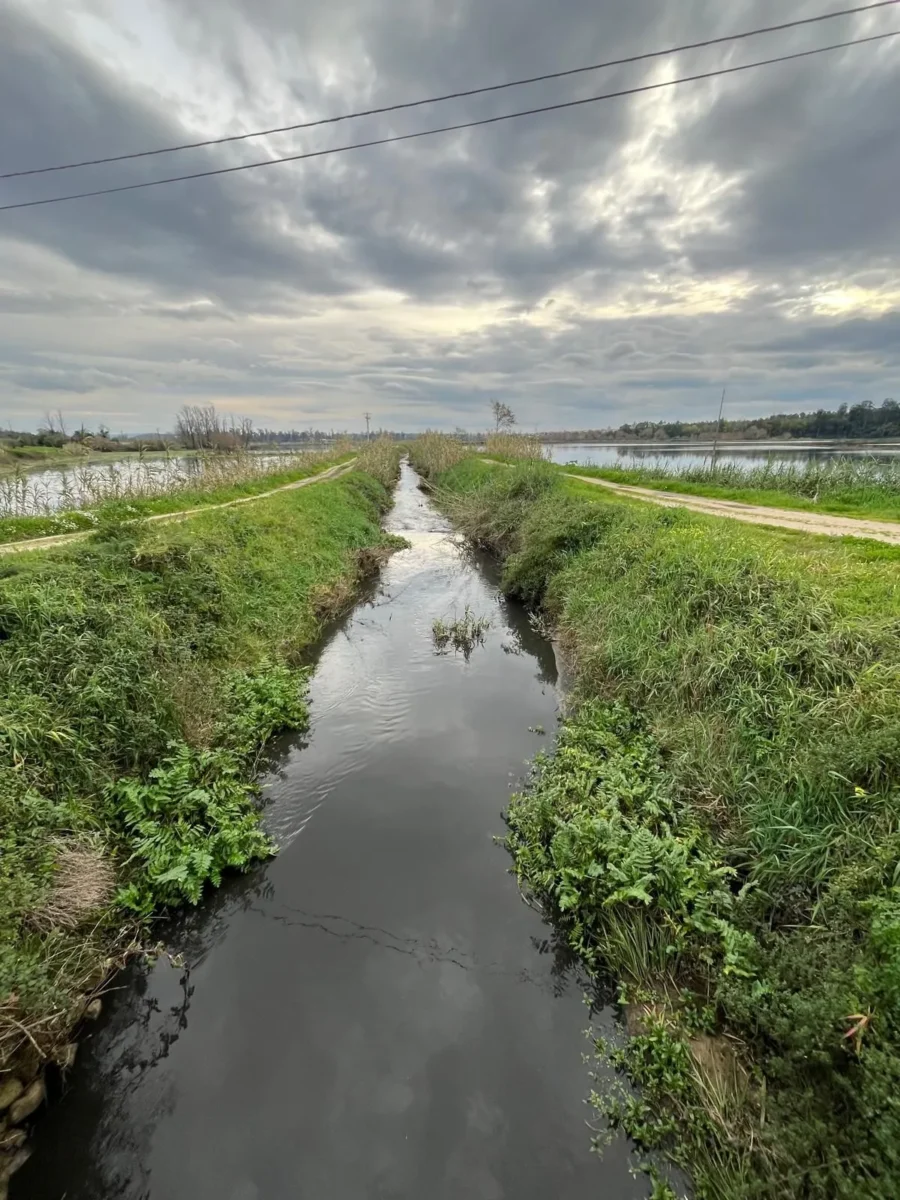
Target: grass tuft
433	453
381	460
462	634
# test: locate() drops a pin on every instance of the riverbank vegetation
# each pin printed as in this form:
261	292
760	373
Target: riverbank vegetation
717	828
514	447
848	487
143	672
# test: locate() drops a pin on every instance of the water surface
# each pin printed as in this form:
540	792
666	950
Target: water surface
679	458
375	1012
29	492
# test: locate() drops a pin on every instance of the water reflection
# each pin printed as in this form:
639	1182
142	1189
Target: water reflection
35	493
683	457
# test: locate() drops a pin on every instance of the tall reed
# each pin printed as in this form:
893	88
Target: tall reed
85	487
859	481
433	452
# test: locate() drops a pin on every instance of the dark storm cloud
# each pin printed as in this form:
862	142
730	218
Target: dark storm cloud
193	289
819	147
59	103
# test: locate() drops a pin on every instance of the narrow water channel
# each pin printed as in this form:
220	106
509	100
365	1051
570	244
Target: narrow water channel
375	1012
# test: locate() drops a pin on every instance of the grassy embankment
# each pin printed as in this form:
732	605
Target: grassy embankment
849	488
14	459
210	479
717	828
141	674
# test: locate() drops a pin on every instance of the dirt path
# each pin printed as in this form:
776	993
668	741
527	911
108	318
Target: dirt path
757	514
63	539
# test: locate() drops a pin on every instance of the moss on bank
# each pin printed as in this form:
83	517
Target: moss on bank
718	826
141	674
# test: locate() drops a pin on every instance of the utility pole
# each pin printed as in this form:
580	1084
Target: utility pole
368	417
718	428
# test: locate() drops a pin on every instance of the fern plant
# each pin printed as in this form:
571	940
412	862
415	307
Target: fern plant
194	818
261	703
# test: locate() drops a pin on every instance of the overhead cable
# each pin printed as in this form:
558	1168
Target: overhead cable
460	95
458	126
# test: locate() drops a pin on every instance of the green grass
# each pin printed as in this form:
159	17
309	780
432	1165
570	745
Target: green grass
141	674
16	529
39	456
720	824
845	488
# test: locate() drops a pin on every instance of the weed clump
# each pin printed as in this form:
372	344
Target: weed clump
380	459
632	874
462	634
516	447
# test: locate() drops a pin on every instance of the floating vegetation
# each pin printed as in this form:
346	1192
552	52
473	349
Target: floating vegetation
462	634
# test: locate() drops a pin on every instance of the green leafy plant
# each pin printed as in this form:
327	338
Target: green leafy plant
195	817
633	877
260	703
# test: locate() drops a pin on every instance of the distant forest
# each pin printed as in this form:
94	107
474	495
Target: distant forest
859	421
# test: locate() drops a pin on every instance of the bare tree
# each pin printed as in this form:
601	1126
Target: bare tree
199	427
504	417
185	427
210	426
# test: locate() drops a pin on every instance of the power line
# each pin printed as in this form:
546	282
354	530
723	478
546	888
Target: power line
479	91
421	133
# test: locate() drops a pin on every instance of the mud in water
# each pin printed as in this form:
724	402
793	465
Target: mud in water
375	1012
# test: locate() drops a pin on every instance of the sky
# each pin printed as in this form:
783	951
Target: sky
614	262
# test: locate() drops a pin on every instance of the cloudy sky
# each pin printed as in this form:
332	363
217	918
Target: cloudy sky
612	262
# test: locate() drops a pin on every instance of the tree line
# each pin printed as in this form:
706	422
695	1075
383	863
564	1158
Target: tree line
202	427
864	420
